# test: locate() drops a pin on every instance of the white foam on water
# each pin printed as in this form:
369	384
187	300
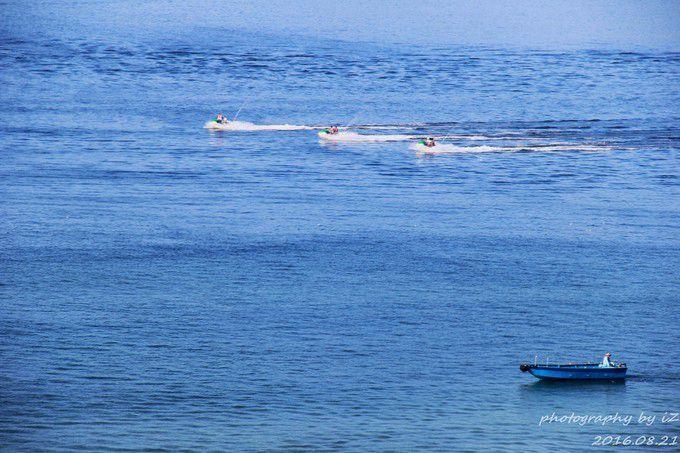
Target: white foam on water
354	137
469	137
447	148
248	127
385	127
563	147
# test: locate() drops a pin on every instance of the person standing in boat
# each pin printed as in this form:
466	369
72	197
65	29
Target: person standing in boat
606	361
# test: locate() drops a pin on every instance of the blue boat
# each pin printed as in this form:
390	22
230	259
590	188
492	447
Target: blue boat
576	371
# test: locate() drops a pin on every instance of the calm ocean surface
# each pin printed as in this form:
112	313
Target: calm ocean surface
163	286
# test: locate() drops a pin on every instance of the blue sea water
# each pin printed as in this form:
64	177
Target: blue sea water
168	287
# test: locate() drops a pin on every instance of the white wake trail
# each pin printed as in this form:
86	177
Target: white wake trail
250	127
357	138
447	148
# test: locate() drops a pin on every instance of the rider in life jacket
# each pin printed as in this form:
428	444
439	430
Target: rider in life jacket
429	142
332	130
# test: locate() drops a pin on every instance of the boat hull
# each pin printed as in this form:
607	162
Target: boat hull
584	372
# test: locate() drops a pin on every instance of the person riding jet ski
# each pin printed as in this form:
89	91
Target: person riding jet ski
429	142
221	119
